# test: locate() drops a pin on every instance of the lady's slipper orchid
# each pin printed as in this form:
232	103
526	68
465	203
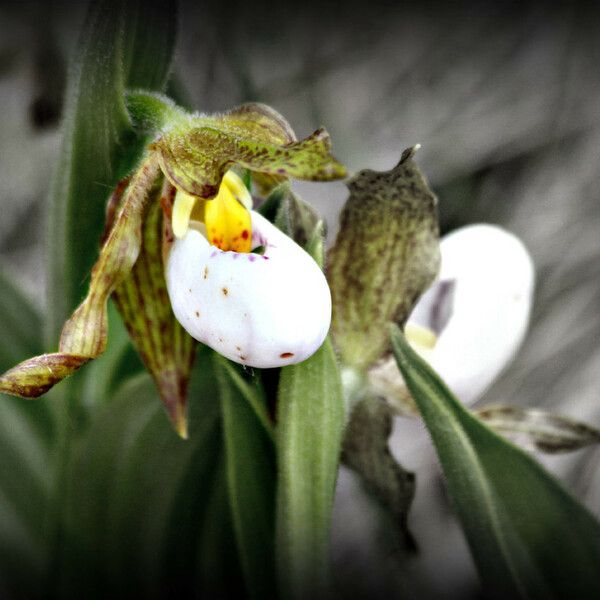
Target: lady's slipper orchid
262	310
471	322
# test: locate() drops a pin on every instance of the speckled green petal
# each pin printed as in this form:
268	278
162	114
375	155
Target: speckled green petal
165	348
386	255
84	335
195	154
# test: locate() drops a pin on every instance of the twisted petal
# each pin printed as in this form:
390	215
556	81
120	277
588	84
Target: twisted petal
165	348
84	335
259	310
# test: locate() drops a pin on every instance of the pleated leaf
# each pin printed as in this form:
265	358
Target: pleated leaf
140	512
26	432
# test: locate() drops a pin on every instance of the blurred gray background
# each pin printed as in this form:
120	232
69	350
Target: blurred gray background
504	98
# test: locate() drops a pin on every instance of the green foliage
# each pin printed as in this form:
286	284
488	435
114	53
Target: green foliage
251	469
137	496
99	497
529	538
122	45
26	431
310	421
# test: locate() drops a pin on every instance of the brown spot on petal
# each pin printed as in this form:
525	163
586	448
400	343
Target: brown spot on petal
242	357
286	355
225	291
238	348
205	275
197	313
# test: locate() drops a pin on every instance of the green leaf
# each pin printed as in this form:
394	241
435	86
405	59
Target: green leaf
20	336
26	432
253	394
385	256
218	571
529	537
135	515
21	331
251	473
122	44
310	417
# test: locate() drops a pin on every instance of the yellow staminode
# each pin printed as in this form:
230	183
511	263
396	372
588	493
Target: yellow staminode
226	217
420	336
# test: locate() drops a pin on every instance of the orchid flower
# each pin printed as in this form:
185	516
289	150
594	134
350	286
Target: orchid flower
181	228
263	310
471	322
464	302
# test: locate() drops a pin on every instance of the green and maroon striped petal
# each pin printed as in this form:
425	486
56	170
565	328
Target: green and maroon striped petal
84	335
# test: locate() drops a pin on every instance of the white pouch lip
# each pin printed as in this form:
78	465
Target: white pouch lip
489	279
263	311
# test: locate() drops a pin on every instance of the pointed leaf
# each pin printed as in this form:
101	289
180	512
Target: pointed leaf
84	335
136	515
251	481
311	417
529	537
166	349
385	256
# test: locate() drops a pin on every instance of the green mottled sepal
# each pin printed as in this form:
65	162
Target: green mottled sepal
386	255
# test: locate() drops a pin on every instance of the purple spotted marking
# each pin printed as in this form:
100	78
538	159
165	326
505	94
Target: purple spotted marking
213	254
236	255
251	257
